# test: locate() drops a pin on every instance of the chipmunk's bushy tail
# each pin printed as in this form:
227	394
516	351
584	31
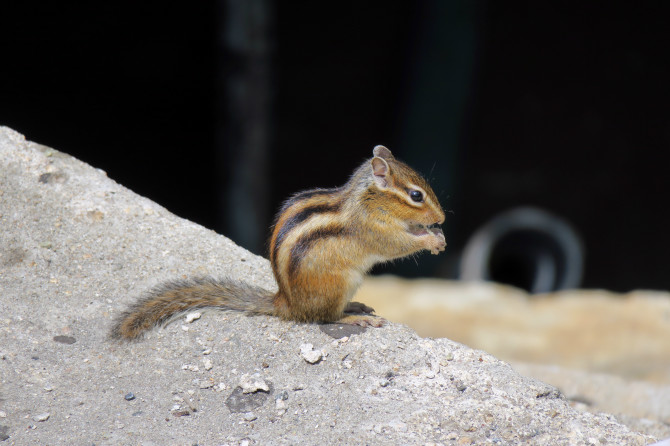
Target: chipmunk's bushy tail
174	298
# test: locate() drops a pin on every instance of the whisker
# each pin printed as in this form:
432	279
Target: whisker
430	175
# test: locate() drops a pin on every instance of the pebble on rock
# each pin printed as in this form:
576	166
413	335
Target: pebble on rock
42	417
192	317
253	383
310	355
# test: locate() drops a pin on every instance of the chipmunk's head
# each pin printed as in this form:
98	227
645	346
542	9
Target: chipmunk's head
408	198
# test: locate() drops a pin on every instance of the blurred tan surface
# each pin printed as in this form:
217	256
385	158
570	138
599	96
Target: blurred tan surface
619	334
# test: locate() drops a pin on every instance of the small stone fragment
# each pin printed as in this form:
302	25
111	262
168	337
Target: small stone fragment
208	364
129	396
250	416
191	367
42	417
310	355
193	316
253	383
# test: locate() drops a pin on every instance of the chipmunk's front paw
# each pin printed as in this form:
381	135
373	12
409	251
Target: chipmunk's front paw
437	242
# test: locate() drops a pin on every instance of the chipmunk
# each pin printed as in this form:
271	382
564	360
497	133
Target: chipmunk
322	244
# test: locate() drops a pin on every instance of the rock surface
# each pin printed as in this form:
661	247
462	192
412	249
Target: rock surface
640	405
76	248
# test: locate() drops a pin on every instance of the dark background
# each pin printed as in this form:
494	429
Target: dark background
220	110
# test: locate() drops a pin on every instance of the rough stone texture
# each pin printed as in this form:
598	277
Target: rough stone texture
76	248
640	405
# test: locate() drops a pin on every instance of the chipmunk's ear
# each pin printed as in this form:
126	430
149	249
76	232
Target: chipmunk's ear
383	152
380	169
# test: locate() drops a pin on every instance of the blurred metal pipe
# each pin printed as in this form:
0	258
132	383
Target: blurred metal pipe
526	247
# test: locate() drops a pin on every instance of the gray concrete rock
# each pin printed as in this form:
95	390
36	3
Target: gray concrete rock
639	405
76	248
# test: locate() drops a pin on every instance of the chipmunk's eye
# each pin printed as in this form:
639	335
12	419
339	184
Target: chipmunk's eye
416	196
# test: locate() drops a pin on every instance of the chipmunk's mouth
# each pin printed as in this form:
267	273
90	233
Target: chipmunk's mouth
419	229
